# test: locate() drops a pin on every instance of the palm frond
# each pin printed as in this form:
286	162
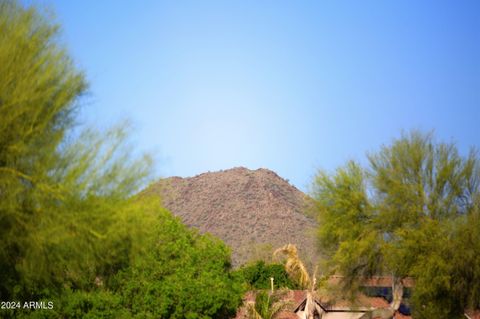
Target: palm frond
294	265
267	305
278	307
252	312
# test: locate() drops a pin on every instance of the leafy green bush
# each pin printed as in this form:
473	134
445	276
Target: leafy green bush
257	276
185	275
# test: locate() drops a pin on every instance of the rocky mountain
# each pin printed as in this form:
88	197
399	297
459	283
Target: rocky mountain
253	211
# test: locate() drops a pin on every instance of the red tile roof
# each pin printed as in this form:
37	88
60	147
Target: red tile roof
399	315
473	314
375	281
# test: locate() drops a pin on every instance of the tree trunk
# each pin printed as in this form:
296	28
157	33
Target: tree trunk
397	293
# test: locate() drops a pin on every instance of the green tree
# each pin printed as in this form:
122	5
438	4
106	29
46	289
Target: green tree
39	89
412	212
186	275
61	196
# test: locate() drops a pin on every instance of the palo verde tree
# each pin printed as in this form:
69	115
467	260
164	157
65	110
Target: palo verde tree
39	89
62	197
413	212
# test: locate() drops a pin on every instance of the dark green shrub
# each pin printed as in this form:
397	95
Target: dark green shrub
257	276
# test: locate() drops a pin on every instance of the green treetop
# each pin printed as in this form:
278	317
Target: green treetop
413	212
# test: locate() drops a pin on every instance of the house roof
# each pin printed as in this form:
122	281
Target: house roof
473	314
399	315
375	281
297	298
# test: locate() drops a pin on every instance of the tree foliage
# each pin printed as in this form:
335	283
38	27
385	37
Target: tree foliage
187	275
39	88
72	228
257	276
412	212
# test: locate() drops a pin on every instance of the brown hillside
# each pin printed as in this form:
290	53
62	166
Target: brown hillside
253	211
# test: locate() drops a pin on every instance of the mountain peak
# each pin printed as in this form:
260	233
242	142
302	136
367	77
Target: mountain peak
250	210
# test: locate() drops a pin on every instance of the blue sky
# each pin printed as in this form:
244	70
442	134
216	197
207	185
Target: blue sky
292	86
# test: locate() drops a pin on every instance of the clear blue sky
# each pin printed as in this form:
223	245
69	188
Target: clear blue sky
292	86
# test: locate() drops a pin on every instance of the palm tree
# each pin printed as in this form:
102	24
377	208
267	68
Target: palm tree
298	272
294	266
267	306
